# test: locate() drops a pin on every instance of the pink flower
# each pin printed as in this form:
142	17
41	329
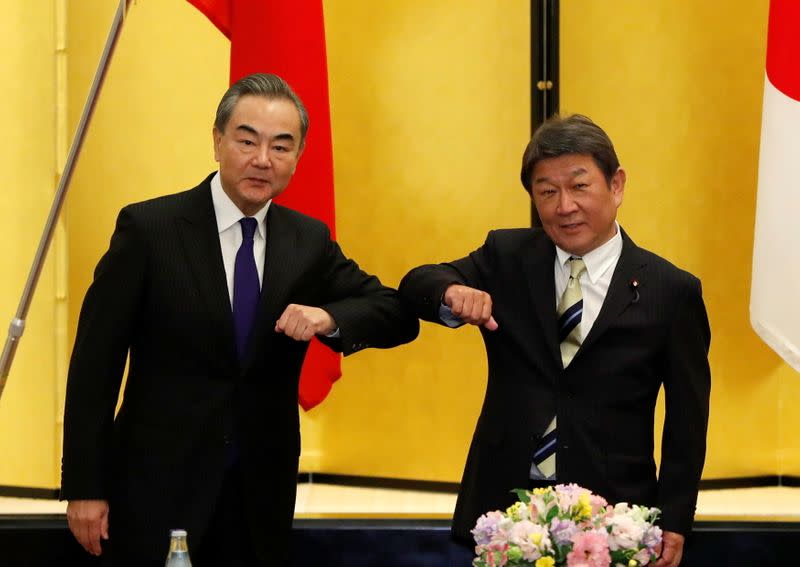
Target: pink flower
598	504
643	556
590	549
497	554
567	495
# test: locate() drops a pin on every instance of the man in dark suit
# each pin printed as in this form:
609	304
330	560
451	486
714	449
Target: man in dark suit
215	293
581	328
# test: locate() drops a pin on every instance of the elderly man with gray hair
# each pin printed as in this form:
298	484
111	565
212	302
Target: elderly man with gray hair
214	293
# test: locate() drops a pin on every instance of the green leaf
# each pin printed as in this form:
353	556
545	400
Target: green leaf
622	555
522	495
514	553
560	553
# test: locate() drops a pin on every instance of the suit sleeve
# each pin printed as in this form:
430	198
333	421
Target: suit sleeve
368	313
687	385
423	287
98	360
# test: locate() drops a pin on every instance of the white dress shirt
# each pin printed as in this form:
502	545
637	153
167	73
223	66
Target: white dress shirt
230	232
600	264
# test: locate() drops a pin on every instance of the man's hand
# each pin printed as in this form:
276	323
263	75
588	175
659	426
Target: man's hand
671	550
302	322
88	522
471	305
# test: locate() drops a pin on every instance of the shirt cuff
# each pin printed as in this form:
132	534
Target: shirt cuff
446	316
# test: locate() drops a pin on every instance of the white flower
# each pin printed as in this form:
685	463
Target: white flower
532	539
626	531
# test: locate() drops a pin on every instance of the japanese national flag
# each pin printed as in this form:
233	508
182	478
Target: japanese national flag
775	293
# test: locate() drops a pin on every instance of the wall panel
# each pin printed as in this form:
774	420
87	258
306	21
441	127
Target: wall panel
28	163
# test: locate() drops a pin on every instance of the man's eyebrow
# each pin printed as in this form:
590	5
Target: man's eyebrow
574	173
247	128
250	130
284	136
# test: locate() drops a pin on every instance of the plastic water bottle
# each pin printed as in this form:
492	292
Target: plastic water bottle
178	555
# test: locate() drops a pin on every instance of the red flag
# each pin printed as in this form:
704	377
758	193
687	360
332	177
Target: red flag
287	38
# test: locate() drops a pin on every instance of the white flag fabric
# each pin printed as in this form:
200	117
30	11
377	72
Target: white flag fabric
775	291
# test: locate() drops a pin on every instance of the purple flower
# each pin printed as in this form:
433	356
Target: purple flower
652	537
561	531
487	527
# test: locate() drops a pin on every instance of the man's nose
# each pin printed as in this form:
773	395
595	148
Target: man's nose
261	157
566	204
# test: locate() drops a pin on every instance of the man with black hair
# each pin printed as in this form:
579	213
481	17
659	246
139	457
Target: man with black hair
582	328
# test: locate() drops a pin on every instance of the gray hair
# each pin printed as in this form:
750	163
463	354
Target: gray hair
259	84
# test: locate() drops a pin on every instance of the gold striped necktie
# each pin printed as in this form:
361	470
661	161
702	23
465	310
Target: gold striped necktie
570	310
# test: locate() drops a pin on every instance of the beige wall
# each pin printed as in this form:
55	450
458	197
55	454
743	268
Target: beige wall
430	116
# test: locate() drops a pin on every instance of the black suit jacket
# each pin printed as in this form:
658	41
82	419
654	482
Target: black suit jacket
160	293
605	398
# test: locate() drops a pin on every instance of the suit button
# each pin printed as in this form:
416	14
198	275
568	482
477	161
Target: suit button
226	439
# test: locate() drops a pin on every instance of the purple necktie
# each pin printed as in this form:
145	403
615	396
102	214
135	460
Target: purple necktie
246	289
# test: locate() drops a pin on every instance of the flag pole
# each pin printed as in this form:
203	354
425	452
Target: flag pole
17	326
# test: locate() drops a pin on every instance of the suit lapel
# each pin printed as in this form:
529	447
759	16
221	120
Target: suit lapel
619	295
200	238
280	263
538	267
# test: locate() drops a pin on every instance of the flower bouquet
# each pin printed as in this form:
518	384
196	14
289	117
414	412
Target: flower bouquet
566	525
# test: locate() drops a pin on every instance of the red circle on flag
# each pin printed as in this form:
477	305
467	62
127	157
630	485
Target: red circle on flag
783	47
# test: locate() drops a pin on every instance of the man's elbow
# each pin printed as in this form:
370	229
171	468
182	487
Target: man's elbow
410	327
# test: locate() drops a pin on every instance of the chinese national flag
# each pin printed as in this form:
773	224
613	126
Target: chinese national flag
287	38
774	301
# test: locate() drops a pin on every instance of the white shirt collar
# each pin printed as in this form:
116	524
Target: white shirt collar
227	213
598	260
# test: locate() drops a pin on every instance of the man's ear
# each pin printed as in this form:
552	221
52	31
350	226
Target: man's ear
216	137
299	153
618	185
